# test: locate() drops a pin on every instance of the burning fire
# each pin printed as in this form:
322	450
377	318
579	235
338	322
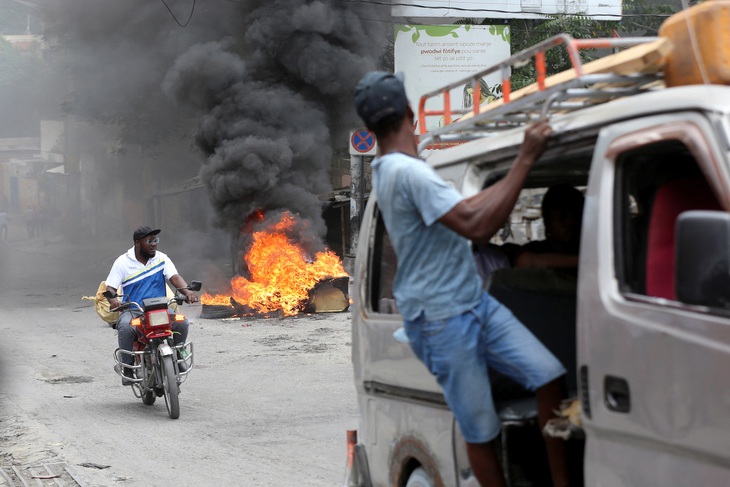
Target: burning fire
281	276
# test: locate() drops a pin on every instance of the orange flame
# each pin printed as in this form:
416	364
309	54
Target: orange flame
281	277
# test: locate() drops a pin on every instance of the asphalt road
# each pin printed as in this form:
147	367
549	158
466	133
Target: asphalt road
268	403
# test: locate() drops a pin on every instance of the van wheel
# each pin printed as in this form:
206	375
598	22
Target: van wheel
419	478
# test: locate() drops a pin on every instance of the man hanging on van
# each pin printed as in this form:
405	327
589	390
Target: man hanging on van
454	327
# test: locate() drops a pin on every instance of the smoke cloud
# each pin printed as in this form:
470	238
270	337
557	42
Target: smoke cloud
274	100
264	88
251	95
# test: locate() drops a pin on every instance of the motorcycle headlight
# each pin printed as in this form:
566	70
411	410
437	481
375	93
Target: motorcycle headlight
157	318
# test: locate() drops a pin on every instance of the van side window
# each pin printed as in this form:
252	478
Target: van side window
383	265
654	184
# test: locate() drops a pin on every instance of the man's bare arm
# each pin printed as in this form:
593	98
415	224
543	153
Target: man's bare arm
179	283
482	215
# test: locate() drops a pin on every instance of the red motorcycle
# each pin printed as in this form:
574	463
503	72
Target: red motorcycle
160	366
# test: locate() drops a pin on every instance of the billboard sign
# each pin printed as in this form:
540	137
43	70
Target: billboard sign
423	10
432	56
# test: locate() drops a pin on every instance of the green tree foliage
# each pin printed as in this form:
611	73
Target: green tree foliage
528	32
644	19
639	19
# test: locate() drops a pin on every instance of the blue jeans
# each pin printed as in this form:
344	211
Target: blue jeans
127	334
458	351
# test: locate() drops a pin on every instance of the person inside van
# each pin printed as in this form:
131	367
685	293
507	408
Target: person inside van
454	327
562	214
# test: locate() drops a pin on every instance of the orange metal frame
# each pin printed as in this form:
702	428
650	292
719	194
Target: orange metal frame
538	52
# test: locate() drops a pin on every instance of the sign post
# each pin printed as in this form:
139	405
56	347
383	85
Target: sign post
362	143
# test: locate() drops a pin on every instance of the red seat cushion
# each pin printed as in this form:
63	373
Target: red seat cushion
671	199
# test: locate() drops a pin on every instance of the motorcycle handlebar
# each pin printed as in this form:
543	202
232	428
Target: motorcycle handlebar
179	299
126	306
132	304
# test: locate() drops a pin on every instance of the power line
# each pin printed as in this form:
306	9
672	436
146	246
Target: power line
175	18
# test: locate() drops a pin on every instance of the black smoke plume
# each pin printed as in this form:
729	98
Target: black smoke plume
274	100
264	87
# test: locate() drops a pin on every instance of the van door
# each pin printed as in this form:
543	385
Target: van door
654	372
405	423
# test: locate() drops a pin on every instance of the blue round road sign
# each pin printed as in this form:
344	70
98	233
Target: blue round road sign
362	141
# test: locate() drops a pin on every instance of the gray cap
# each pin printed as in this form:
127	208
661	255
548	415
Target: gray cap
380	95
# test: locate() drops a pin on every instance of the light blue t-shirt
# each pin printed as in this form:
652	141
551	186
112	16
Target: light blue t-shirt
436	271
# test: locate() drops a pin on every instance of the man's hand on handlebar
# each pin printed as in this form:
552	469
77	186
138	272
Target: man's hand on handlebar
114	303
188	291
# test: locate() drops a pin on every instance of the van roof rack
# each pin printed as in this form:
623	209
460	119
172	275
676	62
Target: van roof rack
634	70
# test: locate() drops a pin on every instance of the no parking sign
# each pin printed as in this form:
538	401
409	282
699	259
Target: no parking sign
362	143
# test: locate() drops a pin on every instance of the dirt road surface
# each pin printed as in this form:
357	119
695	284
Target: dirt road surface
268	402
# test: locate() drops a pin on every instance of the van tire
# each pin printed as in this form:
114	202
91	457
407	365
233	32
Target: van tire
419	478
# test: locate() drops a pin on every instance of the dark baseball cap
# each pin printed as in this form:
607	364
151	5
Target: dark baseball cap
379	96
143	231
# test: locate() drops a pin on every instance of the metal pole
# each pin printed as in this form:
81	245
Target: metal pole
356	200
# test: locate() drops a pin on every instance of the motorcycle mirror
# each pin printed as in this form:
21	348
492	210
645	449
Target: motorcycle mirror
109	295
195	286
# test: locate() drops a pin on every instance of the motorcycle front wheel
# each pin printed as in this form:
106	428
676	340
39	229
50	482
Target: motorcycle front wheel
148	396
169	382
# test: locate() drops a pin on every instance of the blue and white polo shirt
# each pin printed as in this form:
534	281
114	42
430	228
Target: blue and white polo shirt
139	281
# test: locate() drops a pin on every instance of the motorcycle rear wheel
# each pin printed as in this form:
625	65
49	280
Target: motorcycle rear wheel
169	382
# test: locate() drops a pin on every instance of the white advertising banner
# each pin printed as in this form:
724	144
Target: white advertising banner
432	56
423	10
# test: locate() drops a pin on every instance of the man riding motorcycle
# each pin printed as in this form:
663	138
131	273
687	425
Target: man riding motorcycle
138	274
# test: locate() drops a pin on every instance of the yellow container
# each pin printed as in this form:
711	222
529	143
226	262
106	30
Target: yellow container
700	36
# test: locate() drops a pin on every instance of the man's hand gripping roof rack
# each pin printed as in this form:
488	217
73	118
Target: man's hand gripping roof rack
582	86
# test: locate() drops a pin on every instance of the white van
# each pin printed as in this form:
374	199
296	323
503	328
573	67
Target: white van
644	329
